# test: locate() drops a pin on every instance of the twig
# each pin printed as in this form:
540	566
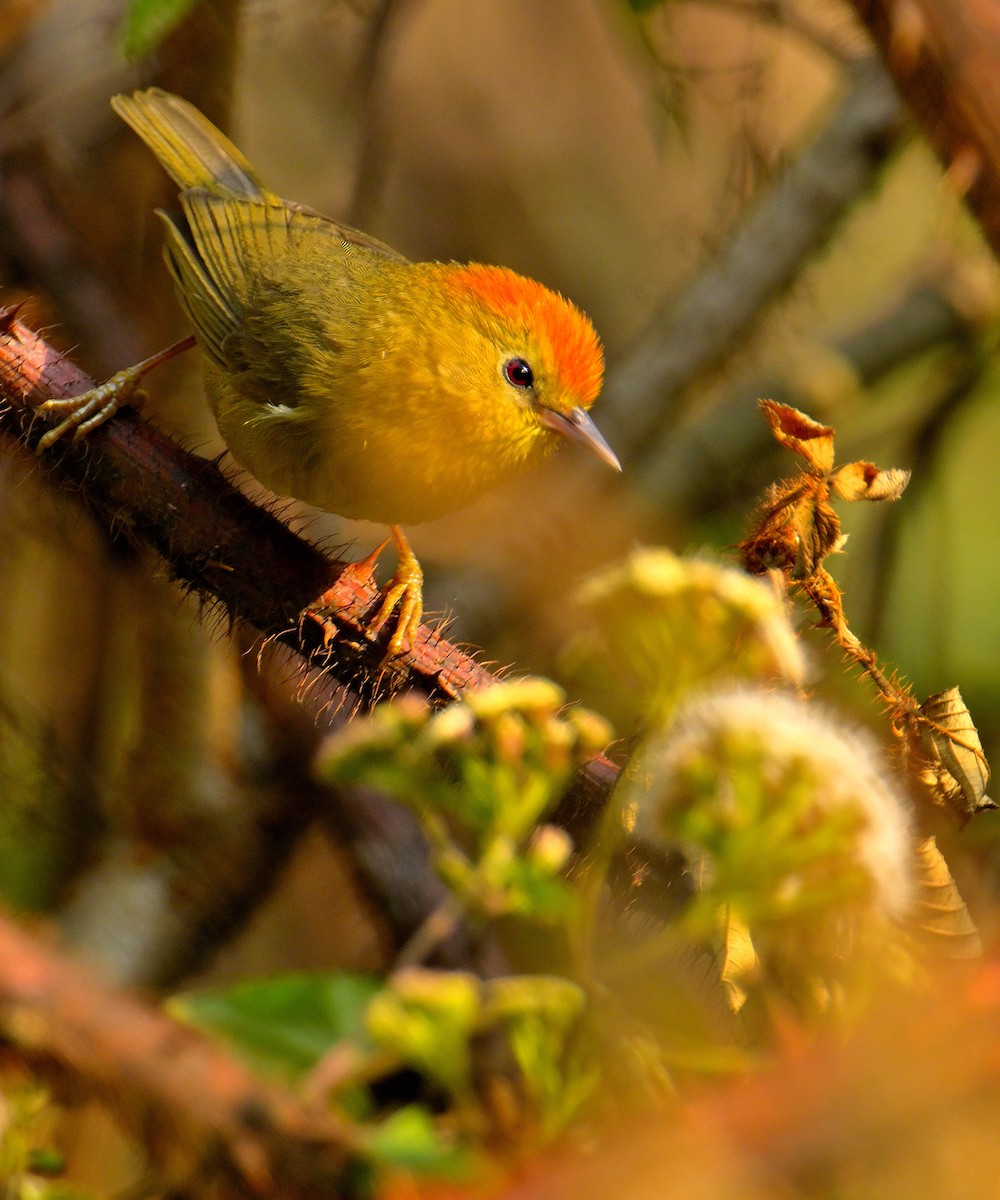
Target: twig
788	16
370	172
795	529
151	915
46	247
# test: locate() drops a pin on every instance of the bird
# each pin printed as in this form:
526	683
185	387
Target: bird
342	374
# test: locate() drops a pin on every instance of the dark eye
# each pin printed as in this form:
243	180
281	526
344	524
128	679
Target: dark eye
518	374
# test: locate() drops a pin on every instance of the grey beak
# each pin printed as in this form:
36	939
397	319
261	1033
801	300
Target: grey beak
578	427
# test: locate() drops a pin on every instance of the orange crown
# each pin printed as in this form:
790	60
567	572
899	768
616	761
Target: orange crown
575	345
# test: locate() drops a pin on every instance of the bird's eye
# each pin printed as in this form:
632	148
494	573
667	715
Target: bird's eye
518	374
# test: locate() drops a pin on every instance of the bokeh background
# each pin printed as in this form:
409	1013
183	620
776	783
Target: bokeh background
731	190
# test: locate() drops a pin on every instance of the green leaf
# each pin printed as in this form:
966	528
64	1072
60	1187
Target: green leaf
147	23
428	1018
409	1139
287	1023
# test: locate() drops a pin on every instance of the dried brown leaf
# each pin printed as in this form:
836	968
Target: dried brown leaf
794	531
773	542
940	917
950	742
819	532
740	962
864	481
801	434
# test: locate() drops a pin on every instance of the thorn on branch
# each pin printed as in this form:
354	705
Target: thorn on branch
8	319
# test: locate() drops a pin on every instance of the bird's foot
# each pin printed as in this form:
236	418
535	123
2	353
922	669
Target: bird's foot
92	408
405	593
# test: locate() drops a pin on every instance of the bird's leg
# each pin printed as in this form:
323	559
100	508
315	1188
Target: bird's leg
407	592
93	407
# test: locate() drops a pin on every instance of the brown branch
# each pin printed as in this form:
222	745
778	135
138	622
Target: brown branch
46	247
211	1119
945	58
151	915
369	181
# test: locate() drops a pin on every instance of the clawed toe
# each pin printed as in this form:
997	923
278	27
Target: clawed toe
88	410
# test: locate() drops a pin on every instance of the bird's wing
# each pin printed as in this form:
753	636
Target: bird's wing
322	226
222	253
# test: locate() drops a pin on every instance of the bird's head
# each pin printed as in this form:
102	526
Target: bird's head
547	361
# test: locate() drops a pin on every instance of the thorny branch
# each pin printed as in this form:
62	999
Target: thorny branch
145	489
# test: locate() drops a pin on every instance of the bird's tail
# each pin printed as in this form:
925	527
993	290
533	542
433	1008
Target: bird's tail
190	149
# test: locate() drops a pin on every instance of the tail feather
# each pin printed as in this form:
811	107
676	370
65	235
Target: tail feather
189	147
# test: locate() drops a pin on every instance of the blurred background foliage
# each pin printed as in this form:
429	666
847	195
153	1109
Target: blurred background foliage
730	189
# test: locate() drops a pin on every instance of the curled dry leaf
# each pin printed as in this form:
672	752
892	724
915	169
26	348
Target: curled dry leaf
958	772
795	529
864	481
940	918
801	434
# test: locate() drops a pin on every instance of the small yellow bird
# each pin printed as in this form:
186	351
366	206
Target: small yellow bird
338	372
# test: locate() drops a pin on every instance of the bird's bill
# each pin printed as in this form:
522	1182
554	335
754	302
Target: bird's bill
578	427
